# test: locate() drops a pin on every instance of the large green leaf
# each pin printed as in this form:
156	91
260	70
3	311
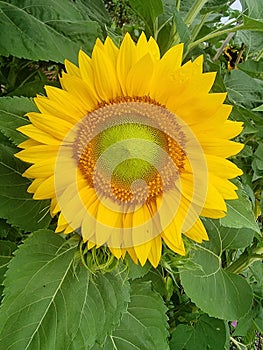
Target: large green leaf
236	238
16	205
6	250
50	30
253	7
148	11
144	325
63	10
253	68
253	24
12	111
239	213
48	304
244	90
207	333
249	119
217	292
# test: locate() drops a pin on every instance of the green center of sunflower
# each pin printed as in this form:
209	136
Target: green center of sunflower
133	147
124	150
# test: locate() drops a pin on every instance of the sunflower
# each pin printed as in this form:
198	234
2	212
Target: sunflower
133	149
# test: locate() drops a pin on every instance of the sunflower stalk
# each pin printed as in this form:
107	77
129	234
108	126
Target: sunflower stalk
245	260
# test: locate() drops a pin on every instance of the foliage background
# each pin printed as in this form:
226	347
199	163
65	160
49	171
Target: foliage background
210	299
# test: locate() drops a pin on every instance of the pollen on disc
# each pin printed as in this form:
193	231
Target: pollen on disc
129	139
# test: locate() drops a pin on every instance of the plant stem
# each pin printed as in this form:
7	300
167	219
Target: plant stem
222	47
178	4
215	34
237	344
197	29
246	259
259	55
194	11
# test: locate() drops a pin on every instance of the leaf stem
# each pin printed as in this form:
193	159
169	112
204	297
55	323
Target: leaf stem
194	11
239	346
245	260
215	34
178	4
259	55
197	28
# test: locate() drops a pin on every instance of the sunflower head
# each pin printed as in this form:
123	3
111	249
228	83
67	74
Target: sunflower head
133	149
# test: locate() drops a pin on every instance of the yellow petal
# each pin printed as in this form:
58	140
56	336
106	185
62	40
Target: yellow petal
72	69
46	189
41	169
85	94
136	86
214	199
105	75
34	185
27	144
117	252
220	147
225	187
71	108
197	232
173	238
145	47
142	251
125	61
156	251
50	124
165	78
222	167
212	213
191	108
36	153
38	135
132	254
154	49
86	70
111	50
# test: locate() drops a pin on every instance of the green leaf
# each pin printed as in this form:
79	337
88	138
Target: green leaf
144	325
155	277
254	8
16	205
249	119
95	10
136	270
182	28
207	333
50	305
12	111
258	109
217	292
6	250
240	213
253	42
244	90
236	238
251	67
257	163
53	30
252	24
148	11
52	10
